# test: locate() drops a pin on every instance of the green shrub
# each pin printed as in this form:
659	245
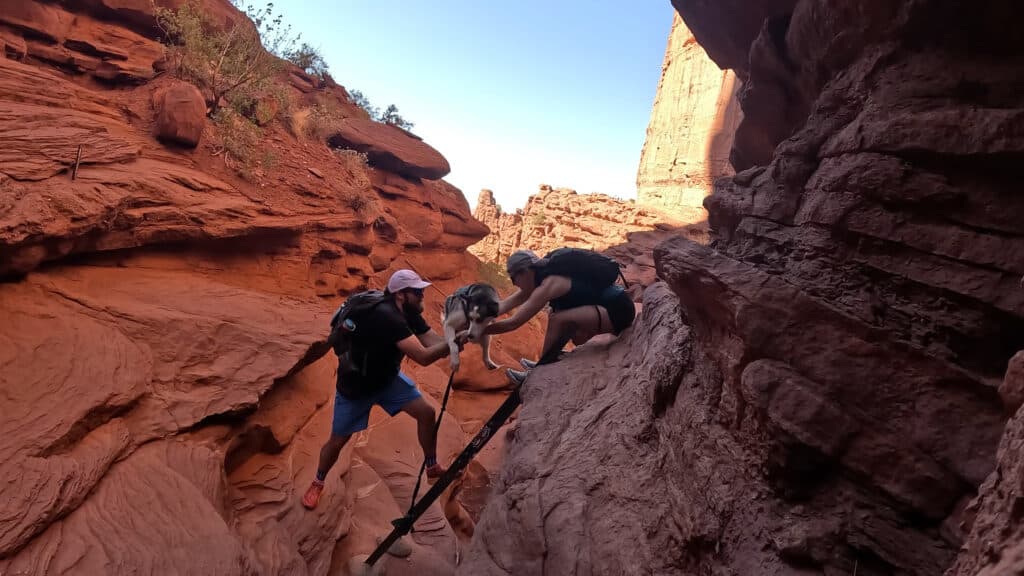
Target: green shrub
230	65
240	140
309	59
389	116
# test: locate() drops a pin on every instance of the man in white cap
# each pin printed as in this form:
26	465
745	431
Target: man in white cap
385	334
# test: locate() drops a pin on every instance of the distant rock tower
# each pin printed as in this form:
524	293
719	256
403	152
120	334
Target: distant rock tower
693	120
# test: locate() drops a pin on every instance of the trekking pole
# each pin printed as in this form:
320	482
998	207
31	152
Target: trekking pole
437	427
404	524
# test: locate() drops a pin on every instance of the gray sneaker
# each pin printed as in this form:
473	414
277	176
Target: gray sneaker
517	377
528	364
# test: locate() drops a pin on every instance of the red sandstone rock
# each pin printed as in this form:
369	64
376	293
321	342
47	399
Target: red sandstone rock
78	41
163	401
13	44
691	129
560	217
726	29
180	114
390	148
996	541
831	406
192	348
1012	388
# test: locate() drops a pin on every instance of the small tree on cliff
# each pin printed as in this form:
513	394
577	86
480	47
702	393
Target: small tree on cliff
390	115
363	102
233	64
309	59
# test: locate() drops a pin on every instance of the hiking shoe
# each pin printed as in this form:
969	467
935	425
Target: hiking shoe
436	471
312	497
516	376
527	363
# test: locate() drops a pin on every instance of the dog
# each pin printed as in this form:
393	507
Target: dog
469	310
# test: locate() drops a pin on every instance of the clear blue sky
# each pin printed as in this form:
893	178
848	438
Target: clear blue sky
513	93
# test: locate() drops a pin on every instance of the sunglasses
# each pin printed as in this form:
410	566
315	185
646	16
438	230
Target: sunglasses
418	292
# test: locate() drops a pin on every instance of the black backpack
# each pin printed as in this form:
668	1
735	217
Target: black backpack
352	363
594	268
344	322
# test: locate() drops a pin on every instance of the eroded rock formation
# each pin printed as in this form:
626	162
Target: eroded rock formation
996	543
818	391
693	120
555	217
164	399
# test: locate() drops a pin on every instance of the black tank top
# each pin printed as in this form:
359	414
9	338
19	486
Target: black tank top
579	294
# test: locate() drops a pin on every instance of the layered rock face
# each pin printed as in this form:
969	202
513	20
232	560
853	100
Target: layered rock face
996	543
819	392
560	217
164	395
693	120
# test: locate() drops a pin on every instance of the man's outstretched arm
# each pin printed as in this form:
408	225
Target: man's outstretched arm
424	356
430	338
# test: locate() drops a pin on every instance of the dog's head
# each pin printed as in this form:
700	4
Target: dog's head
481	308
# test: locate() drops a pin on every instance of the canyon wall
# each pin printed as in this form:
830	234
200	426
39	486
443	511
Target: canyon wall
690	133
165	393
817	390
556	217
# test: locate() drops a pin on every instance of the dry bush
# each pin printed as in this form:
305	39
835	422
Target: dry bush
359	195
298	122
240	144
228	65
358	200
323	120
354	161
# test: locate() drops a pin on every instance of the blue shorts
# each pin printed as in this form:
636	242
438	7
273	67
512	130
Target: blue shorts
351	416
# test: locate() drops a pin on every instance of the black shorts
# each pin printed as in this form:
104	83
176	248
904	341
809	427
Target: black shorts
620	308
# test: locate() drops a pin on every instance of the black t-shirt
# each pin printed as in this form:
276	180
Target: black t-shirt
580	293
375	347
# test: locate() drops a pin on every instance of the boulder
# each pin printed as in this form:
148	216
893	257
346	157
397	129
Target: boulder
390	148
180	114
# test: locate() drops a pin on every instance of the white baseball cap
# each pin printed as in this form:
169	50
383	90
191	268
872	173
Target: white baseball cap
404	279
